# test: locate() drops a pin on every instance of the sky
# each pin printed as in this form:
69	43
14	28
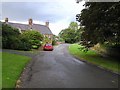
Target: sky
59	13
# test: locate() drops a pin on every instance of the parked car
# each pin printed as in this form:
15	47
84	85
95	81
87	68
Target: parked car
48	47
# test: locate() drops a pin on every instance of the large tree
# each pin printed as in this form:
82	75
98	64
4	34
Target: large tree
101	21
73	26
72	33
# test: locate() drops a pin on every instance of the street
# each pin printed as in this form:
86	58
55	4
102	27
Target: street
58	69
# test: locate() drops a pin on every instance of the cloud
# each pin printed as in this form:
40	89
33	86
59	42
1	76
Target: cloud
58	12
39	11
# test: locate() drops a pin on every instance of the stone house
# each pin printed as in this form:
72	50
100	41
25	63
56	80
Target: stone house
43	29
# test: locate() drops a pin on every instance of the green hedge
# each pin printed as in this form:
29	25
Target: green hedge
12	39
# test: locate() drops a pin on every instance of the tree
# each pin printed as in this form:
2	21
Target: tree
72	33
101	21
73	26
0	34
78	34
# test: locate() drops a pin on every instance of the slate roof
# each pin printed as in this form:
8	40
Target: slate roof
41	28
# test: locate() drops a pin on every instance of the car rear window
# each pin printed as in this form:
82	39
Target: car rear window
48	45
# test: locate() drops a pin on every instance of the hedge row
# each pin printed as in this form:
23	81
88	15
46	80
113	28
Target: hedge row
13	39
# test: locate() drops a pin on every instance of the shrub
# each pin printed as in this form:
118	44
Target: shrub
13	42
83	48
12	39
24	43
53	42
9	37
34	38
35	47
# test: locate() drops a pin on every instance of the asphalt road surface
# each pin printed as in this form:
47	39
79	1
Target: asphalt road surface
58	69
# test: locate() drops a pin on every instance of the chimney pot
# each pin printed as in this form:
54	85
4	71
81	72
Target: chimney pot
6	20
30	21
47	24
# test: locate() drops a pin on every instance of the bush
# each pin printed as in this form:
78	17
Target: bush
32	38
53	42
83	49
35	47
10	37
46	39
13	42
24	43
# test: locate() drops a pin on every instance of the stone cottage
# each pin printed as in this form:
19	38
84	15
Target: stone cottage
43	29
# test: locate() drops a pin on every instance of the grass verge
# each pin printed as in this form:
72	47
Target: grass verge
94	58
0	70
12	66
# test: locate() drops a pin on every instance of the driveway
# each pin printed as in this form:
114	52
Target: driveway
58	69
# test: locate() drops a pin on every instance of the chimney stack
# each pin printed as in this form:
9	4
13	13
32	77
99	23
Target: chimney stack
30	22
6	20
47	24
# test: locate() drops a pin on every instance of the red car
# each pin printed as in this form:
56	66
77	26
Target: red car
48	47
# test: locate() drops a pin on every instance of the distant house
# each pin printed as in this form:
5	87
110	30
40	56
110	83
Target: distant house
43	29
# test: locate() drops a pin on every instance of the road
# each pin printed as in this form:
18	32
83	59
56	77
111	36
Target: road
58	69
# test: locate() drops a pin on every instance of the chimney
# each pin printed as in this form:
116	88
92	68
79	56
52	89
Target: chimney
6	20
30	22
47	24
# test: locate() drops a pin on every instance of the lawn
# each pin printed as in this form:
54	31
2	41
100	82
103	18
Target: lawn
0	70
94	58
12	66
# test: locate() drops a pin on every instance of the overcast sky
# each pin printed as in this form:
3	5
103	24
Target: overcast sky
58	12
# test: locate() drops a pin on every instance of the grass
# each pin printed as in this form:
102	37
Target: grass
12	66
0	70
94	58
